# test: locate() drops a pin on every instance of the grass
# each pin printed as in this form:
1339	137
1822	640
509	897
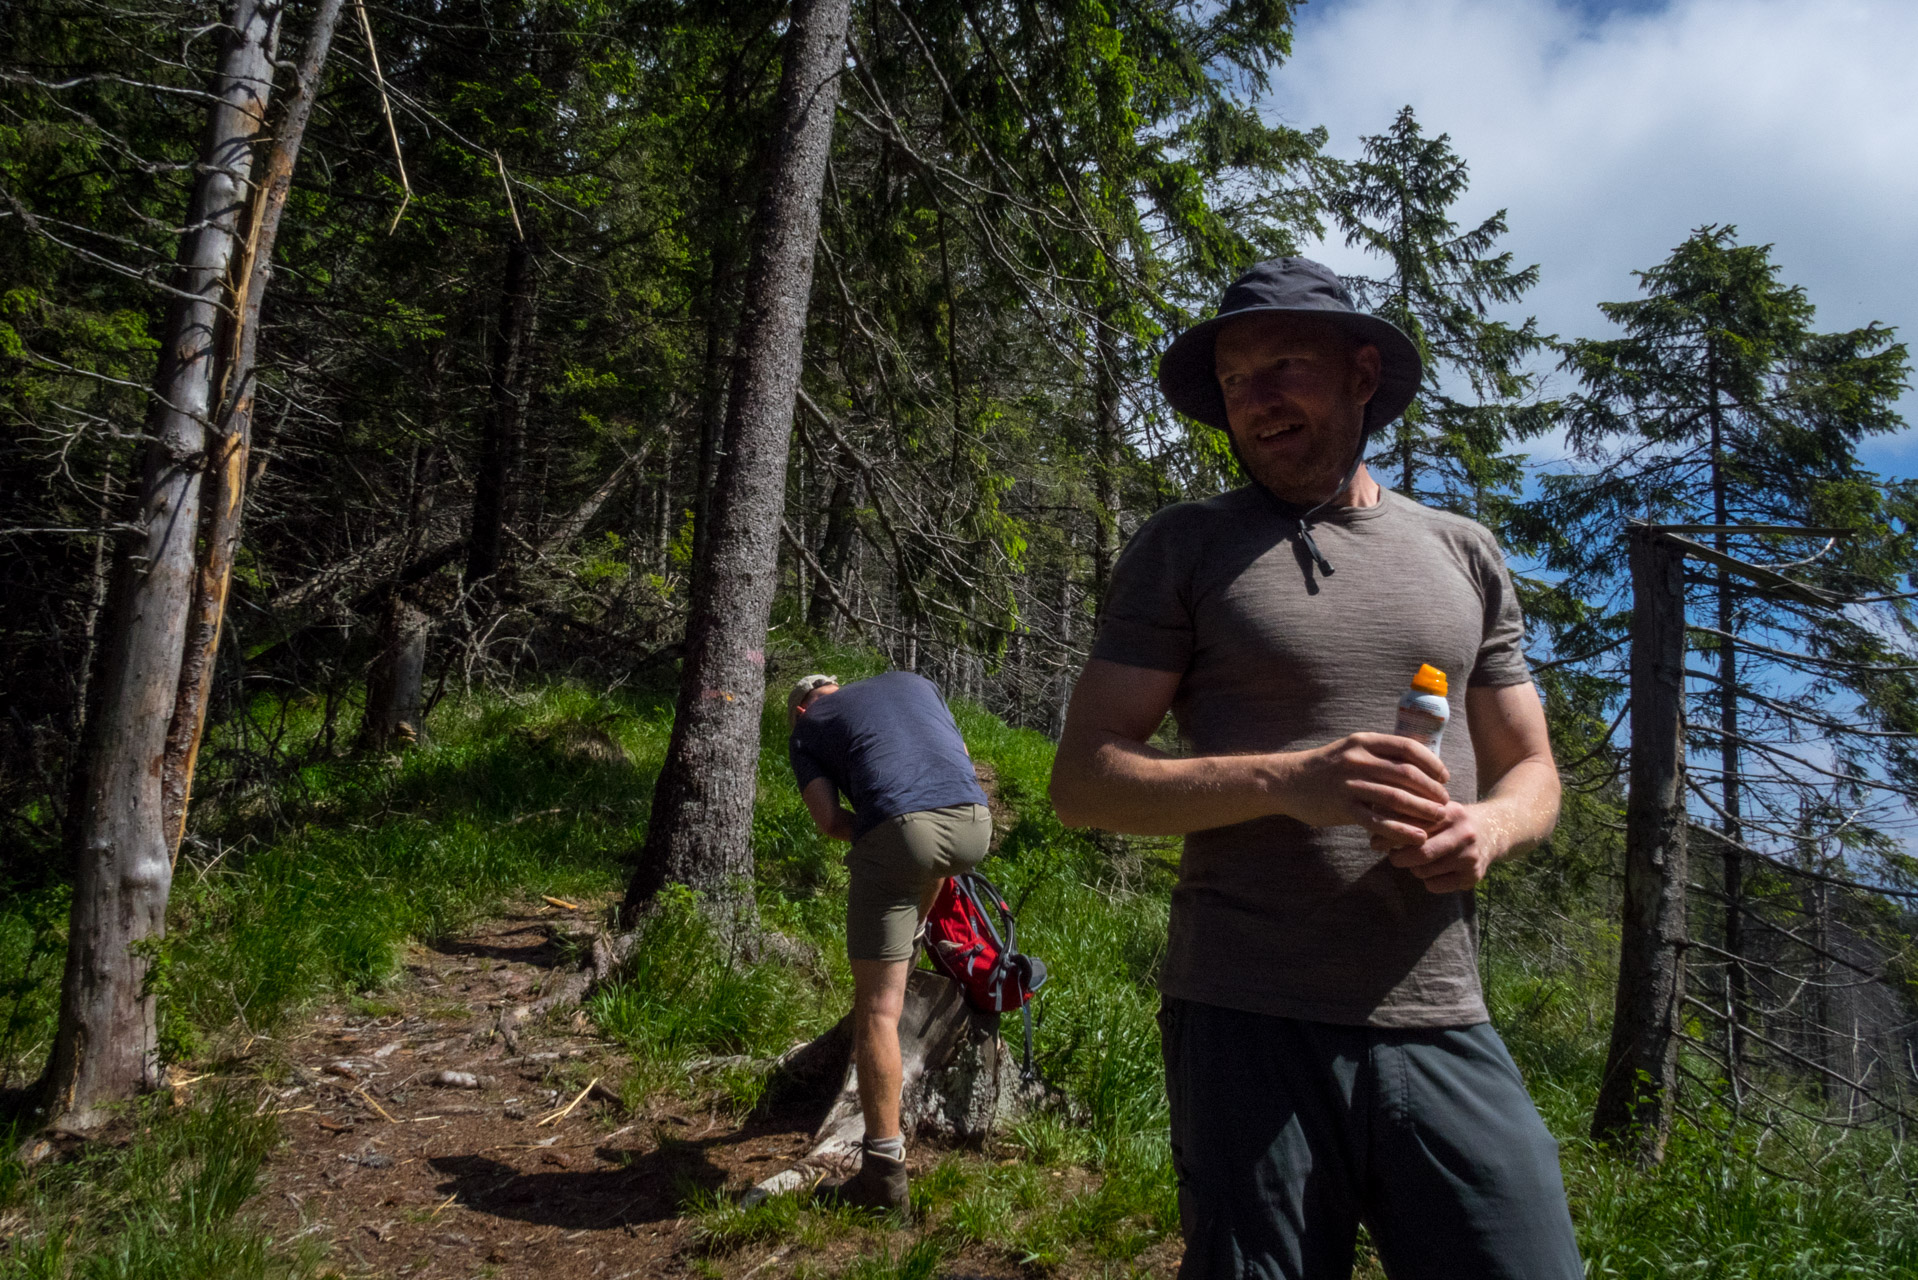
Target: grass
313	886
165	1205
310	886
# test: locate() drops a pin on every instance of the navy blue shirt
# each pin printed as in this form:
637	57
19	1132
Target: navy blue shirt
889	745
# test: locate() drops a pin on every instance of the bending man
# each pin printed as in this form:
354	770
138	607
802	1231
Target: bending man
1328	1056
889	747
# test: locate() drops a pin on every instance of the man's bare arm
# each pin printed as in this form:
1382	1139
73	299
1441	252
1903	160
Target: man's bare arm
1519	783
822	802
1105	774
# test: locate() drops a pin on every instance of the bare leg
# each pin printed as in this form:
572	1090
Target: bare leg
878	999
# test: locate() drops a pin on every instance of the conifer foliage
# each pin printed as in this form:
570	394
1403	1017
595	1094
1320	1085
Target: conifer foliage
1439	284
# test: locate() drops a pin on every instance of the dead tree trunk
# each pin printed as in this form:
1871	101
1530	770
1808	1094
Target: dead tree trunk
396	677
231	444
394	684
167	598
574	523
835	551
701	827
503	435
1638	1093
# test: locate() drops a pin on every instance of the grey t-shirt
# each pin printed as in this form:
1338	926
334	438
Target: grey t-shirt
1273	916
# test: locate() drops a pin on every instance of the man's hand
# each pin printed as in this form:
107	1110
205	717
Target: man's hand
1520	805
1393	787
1456	855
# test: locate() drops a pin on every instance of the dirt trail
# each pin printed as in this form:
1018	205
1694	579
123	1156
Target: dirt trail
406	1170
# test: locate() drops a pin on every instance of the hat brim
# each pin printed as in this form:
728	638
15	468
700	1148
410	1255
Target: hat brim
1190	384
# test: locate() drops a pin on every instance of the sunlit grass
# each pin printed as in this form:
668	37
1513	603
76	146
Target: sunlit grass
165	1205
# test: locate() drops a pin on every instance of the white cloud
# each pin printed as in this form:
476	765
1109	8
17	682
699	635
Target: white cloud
1609	139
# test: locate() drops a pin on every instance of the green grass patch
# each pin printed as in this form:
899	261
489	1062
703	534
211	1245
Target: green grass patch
312	883
163	1206
686	996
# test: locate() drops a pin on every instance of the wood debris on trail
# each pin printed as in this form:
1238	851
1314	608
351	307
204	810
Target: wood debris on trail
417	1145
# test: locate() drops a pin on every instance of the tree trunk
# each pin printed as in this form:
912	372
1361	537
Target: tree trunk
1737	995
394	680
835	552
393	686
574	523
712	406
231	445
1638	1093
1056	725
701	827
106	1047
503	437
1105	525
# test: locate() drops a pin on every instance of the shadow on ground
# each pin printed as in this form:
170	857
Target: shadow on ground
645	1188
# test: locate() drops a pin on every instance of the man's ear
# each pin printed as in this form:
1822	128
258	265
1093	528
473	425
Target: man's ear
1365	373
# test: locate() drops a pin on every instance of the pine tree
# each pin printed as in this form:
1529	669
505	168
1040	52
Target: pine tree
1396	202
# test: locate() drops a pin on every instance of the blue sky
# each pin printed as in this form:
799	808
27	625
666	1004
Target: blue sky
1609	129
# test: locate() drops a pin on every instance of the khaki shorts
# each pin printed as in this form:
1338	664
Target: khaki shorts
896	863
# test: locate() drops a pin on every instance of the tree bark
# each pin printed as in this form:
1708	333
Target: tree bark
106	1046
1105	524
503	437
227	463
712	407
395	678
1737	994
701	826
959	1083
835	552
1638	1093
393	686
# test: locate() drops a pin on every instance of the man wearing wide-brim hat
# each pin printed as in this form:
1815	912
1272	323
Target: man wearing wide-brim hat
1328	1056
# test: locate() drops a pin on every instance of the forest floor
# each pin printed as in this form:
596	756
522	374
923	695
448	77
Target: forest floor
393	1167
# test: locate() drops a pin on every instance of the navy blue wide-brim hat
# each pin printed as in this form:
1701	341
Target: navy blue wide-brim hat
1288	286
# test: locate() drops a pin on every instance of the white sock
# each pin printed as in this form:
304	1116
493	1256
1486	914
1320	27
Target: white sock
892	1148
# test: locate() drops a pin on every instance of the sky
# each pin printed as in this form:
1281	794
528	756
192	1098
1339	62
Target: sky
1610	129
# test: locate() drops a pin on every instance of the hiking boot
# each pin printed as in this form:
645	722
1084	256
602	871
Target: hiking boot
879	1184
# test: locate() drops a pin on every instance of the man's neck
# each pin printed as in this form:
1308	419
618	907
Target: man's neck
1363	491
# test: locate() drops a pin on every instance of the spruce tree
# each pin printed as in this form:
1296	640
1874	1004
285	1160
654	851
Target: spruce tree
1449	448
1721	405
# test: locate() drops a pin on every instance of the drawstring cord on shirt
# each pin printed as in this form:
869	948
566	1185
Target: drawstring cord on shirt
1304	521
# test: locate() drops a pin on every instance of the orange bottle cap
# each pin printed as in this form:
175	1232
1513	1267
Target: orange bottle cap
1429	680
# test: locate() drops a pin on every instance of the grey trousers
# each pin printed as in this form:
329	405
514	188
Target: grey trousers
1287	1134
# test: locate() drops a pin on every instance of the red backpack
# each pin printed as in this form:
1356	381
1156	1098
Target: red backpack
963	944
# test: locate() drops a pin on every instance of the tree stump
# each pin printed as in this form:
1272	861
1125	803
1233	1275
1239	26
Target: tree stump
960	1081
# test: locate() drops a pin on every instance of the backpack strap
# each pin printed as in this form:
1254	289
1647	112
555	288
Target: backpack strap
971	884
1007	949
1025	1068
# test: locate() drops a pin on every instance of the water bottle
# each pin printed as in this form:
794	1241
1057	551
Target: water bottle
1423	710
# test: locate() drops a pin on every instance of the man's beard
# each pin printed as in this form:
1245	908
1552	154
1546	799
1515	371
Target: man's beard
1319	479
